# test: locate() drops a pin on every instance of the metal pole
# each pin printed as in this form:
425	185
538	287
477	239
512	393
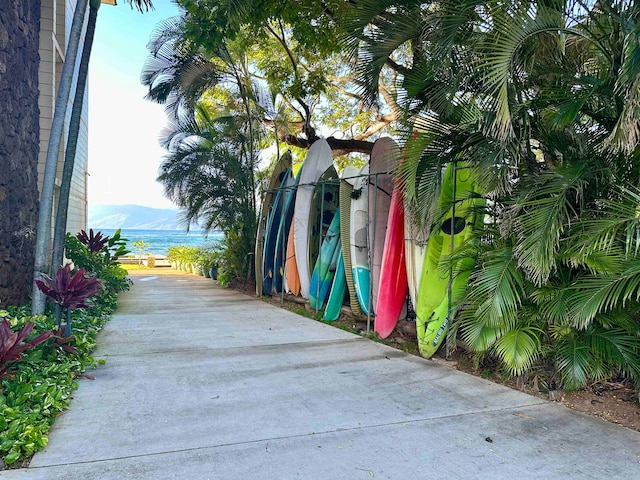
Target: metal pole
372	250
449	340
320	245
284	245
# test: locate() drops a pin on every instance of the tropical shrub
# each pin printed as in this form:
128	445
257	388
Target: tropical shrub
69	291
38	386
41	383
542	99
100	259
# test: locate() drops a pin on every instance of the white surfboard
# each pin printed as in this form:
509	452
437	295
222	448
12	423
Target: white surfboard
358	239
415	244
318	160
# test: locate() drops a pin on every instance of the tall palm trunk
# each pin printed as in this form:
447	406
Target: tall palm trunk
43	233
51	165
72	141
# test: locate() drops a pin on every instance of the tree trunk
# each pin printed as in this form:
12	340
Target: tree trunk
338	146
43	233
72	141
19	146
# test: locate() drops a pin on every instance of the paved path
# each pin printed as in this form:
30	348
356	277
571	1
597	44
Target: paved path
206	383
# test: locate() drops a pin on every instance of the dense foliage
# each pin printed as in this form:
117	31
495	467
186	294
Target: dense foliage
541	97
40	365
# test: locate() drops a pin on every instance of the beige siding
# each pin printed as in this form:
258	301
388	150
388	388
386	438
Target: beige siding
56	19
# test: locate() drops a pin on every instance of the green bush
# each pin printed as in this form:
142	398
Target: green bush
39	386
41	383
102	263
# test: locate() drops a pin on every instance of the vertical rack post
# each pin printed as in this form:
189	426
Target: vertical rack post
449	340
372	242
320	243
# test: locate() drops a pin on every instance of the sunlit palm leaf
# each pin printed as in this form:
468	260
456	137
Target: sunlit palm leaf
518	349
596	294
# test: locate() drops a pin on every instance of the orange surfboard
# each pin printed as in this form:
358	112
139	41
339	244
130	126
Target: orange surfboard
292	278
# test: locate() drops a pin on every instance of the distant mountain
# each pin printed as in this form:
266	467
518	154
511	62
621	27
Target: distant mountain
133	217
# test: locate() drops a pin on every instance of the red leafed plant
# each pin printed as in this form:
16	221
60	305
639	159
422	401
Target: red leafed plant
95	243
61	340
67	290
12	346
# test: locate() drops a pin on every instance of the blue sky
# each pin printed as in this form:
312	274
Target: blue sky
124	154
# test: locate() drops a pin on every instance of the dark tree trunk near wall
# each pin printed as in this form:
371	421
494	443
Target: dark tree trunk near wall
19	146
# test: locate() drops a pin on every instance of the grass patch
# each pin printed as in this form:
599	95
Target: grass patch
131	267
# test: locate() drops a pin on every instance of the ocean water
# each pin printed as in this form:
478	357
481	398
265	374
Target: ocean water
160	240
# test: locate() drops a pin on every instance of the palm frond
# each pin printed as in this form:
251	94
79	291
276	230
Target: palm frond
519	349
505	54
545	212
596	294
496	288
573	361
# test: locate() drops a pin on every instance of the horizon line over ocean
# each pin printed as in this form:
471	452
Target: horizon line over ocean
160	240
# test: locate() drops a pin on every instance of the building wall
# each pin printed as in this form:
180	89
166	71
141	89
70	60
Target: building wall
19	130
57	16
77	215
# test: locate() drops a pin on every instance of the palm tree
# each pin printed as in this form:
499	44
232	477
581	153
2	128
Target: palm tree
51	164
55	139
208	172
60	228
215	107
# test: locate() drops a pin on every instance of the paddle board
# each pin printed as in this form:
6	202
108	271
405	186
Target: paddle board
273	225
432	312
318	160
289	194
291	276
384	158
347	181
415	245
324	204
358	243
392	290
322	276
275	181
338	288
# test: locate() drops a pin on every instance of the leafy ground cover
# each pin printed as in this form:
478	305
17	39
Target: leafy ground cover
41	357
40	386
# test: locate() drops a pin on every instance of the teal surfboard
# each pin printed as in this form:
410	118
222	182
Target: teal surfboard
338	289
322	276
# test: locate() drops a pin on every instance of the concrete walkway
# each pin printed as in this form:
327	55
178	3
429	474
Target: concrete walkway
206	383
